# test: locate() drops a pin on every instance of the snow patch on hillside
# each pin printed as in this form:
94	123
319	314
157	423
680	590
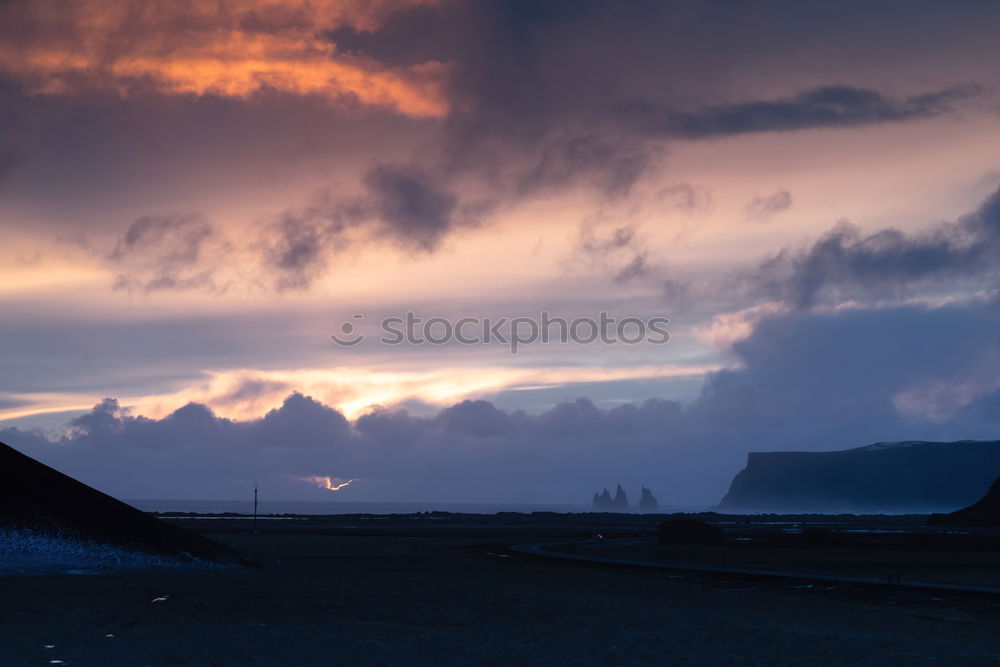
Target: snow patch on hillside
27	551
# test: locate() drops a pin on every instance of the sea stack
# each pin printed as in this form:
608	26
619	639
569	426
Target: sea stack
621	500
603	501
648	500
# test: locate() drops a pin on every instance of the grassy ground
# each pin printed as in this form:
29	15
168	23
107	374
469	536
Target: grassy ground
424	592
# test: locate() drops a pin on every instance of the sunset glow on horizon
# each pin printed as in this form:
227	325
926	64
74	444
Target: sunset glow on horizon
195	196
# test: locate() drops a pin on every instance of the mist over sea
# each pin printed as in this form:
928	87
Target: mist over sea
348	507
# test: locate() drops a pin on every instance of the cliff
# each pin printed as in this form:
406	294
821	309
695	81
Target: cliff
984	513
910	476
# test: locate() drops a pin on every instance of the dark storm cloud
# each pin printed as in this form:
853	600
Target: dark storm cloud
827	107
529	75
296	251
405	204
806	381
411	204
551	95
539	97
848	264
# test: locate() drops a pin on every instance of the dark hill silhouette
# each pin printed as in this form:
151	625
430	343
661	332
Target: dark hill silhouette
986	512
913	476
34	496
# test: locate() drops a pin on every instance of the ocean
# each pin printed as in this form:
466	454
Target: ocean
349	507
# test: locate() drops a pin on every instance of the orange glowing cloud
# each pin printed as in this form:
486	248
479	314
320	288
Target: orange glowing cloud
232	49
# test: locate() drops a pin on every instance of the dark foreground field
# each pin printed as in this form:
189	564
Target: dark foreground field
445	590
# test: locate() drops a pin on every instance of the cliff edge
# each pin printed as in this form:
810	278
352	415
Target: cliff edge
912	476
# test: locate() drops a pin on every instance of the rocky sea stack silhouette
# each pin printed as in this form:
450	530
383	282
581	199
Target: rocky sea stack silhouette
648	500
41	502
604	501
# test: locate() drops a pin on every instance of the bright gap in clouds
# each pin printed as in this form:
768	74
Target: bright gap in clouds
248	394
194	195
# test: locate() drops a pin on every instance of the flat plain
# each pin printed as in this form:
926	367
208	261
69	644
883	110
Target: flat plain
446	589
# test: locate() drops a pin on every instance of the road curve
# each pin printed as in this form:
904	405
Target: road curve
544	549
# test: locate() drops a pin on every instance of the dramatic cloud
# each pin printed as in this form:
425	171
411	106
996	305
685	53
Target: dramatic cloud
197	48
399	202
837	106
527	108
802	382
346	157
410	204
518	130
403	203
847	264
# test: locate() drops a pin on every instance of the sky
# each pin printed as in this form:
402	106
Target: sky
195	196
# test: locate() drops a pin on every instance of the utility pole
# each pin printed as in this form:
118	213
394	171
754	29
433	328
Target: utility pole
255	507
